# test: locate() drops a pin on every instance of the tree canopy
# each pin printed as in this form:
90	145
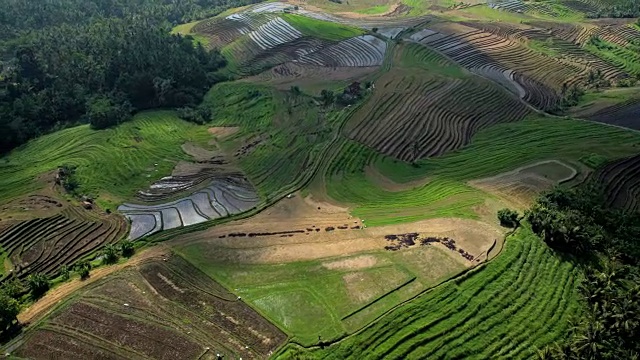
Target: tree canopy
605	241
67	62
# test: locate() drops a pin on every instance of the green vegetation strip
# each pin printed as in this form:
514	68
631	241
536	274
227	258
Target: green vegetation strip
321	29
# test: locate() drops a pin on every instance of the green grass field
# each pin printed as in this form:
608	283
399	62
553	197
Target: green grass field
321	29
374	10
415	56
112	164
494	150
185	30
311	298
517	303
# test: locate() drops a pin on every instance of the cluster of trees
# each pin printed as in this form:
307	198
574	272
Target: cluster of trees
350	95
12	292
570	96
111	253
65	62
605	241
19	16
99	74
509	218
577	221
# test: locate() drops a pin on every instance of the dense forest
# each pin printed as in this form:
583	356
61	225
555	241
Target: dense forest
19	16
604	241
67	62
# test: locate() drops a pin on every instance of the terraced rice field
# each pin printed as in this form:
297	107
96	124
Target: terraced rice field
257	39
288	74
496	52
414	115
44	245
625	114
522	185
161	310
445	192
223	197
521	301
112	165
223	31
281	133
365	50
621	183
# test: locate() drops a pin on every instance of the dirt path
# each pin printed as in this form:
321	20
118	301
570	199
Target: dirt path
45	304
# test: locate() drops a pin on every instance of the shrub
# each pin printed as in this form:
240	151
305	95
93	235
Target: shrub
13	288
65	273
38	284
200	115
127	248
83	268
328	97
508	218
109	254
103	112
9	310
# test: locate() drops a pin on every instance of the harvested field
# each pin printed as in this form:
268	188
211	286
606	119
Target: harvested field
160	310
522	185
43	245
361	51
344	274
621	182
625	114
292	73
536	78
224	196
223	31
414	115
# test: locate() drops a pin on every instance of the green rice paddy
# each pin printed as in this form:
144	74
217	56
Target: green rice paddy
321	29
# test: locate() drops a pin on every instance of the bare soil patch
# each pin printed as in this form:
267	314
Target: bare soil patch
309	76
296	229
197	152
222	132
394	10
360	262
